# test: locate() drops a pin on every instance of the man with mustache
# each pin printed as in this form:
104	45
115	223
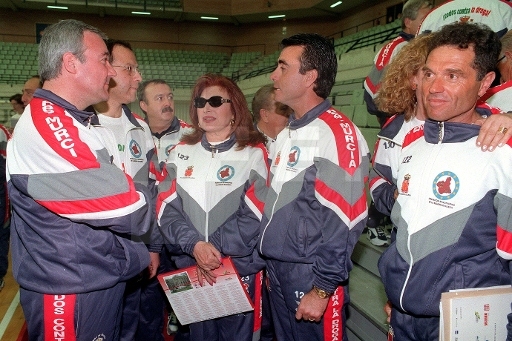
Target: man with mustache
157	102
130	139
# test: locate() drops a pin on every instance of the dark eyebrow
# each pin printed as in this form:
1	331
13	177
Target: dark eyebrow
280	61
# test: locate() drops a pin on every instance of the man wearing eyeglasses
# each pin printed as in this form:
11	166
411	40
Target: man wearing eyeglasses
132	146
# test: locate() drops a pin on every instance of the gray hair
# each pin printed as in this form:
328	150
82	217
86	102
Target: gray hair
412	7
58	39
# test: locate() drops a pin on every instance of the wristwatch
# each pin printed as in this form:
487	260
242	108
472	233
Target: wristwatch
321	293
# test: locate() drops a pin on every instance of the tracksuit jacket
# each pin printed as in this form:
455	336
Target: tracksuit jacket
210	195
372	82
499	96
316	208
167	139
454	228
75	214
386	156
140	163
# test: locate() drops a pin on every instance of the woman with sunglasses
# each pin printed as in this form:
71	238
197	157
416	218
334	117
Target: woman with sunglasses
208	207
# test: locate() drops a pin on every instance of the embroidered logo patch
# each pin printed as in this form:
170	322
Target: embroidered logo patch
293	156
445	185
135	149
225	173
405	184
168	149
189	170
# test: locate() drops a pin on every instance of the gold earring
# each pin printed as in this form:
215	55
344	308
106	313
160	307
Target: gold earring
232	122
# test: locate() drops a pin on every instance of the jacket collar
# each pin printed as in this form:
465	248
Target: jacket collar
83	116
218	148
309	116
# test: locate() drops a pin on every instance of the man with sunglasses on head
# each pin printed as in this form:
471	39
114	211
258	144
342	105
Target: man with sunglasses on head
131	144
315	208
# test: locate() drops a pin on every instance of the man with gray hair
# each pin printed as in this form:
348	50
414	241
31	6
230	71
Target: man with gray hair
270	116
75	214
413	13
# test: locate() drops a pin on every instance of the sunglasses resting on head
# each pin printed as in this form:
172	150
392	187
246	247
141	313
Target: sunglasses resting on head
214	101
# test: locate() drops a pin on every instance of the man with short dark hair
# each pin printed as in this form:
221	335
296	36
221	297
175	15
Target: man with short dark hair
133	149
315	208
76	215
454	228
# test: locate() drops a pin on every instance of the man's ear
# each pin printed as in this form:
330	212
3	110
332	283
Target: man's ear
486	83
311	77
69	61
264	115
143	106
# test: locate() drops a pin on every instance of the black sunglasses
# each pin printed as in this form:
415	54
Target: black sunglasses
214	101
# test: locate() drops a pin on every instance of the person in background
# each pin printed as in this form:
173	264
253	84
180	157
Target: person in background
156	100
453	229
270	116
29	88
501	95
413	13
315	208
5	211
75	214
497	14
17	107
209	206
131	144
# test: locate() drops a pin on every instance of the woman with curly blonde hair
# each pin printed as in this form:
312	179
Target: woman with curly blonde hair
397	94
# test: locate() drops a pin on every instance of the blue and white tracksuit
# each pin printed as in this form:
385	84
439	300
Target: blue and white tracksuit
167	139
5	210
454	228
151	321
315	211
211	195
135	155
76	218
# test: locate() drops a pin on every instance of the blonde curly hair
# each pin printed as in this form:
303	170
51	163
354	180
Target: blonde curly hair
396	94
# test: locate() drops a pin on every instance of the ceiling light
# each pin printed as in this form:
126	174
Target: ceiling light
336	4
276	16
57	7
141	13
210	18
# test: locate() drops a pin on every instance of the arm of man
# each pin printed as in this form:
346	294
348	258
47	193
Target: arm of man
340	190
